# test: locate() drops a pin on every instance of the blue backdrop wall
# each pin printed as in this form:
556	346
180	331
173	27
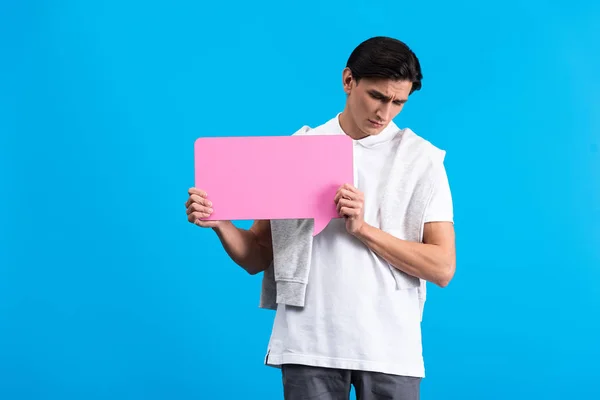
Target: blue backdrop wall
107	292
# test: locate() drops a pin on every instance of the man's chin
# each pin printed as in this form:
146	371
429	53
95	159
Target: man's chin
372	129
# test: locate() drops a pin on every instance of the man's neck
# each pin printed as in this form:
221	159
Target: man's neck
349	127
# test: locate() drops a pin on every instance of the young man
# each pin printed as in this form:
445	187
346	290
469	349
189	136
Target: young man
352	315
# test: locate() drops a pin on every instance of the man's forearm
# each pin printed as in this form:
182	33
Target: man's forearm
243	248
426	261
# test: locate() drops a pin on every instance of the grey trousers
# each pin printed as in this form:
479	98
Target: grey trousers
316	383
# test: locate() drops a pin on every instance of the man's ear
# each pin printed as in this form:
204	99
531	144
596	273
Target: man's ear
347	80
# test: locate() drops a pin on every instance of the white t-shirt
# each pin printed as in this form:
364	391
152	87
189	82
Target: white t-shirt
354	317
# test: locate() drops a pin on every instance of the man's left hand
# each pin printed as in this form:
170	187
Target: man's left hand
350	204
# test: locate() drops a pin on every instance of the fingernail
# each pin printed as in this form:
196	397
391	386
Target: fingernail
210	210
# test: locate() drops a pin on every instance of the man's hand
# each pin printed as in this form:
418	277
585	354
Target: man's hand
350	204
198	207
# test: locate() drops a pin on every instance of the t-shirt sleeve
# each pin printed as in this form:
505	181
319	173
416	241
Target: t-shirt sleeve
440	207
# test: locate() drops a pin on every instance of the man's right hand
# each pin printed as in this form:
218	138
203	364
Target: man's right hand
198	207
252	249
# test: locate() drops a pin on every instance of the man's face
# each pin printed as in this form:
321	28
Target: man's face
373	103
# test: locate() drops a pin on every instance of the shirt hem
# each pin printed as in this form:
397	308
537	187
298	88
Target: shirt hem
276	360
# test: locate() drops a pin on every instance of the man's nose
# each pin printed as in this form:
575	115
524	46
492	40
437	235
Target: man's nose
384	111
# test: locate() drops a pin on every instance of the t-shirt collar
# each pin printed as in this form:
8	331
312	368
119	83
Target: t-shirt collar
387	134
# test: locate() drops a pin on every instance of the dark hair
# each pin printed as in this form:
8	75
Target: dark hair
385	57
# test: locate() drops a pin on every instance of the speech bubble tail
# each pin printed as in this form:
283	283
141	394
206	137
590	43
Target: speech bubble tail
320	224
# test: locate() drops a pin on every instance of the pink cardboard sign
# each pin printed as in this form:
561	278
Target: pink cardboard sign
274	177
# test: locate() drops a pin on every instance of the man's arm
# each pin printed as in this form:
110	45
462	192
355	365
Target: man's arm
251	249
433	260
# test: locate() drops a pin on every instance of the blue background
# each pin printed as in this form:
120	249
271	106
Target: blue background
107	292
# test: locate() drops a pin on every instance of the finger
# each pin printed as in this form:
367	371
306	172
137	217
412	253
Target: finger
349	203
349	212
201	215
346	212
338	195
195	207
340	204
199	192
202	223
197	216
350	188
347	194
198	199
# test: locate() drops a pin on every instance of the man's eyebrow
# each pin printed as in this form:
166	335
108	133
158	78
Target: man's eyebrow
384	97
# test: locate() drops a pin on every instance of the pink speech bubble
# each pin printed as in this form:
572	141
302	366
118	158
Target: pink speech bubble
274	177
